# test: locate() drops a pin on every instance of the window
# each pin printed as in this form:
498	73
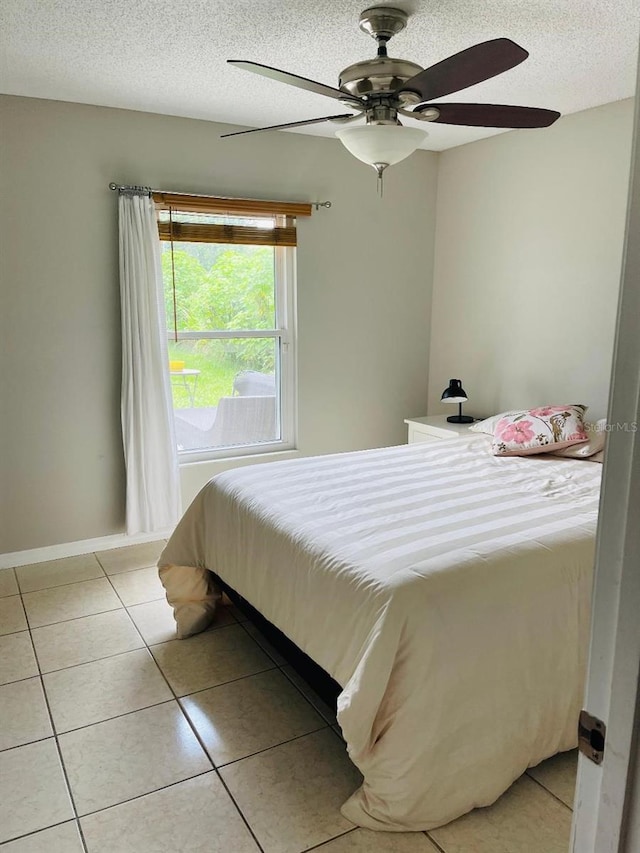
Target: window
229	282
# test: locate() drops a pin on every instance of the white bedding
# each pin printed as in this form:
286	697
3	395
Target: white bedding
446	590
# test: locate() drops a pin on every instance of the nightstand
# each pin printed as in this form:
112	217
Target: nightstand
433	428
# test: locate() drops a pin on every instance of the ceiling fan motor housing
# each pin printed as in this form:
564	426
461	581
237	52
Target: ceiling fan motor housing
379	75
384	74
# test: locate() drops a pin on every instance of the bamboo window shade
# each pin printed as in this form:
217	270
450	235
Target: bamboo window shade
282	233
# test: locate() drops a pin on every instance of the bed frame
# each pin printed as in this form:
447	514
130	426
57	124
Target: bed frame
325	686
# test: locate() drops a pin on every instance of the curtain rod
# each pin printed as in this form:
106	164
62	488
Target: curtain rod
125	188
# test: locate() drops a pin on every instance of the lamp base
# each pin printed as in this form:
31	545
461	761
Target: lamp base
460	419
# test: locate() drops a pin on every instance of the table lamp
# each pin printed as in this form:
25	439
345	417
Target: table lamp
455	393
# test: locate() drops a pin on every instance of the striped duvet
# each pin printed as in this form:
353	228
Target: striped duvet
445	589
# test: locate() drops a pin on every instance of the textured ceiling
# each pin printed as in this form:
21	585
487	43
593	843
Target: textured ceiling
166	57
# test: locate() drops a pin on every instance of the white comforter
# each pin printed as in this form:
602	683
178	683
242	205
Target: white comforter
446	590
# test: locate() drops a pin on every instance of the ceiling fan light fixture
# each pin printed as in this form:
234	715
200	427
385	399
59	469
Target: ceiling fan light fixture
381	144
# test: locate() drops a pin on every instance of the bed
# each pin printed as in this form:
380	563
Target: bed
447	592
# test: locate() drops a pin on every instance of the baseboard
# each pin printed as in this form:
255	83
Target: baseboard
73	549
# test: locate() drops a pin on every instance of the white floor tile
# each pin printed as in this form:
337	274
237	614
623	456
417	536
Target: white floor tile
33	793
319	704
131	557
209	659
47	606
140	778
237	719
291	794
12	618
114	761
526	819
105	688
64	838
264	644
23	713
17	659
197	815
367	841
82	640
58	572
156	622
558	775
8	583
138	586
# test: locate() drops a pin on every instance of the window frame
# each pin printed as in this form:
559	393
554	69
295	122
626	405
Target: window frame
284	330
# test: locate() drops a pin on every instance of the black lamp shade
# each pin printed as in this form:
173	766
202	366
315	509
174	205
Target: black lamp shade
455	393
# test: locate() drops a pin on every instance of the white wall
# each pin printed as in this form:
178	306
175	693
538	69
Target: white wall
529	241
529	244
364	293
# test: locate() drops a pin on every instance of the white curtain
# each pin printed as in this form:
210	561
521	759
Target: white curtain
151	459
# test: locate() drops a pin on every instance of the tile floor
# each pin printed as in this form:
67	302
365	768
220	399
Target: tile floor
118	738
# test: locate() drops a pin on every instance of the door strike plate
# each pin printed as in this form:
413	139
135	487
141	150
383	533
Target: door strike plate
592	734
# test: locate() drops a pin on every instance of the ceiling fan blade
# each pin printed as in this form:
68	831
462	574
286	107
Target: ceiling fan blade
293	80
464	69
344	117
492	115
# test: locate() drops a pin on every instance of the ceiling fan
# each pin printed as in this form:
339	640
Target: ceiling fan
382	89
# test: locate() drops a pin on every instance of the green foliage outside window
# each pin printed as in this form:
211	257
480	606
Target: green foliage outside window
217	288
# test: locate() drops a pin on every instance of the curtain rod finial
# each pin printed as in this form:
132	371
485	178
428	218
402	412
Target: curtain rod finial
113	186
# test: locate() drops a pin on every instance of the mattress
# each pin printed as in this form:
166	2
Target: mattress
446	590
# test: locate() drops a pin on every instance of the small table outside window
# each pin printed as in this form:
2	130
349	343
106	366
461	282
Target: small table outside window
188	379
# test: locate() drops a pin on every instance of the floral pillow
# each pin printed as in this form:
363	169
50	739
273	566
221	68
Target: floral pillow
488	425
539	430
597	434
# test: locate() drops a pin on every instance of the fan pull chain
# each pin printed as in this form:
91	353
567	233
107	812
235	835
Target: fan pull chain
380	167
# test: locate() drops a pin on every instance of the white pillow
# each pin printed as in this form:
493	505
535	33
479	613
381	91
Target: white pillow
597	433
